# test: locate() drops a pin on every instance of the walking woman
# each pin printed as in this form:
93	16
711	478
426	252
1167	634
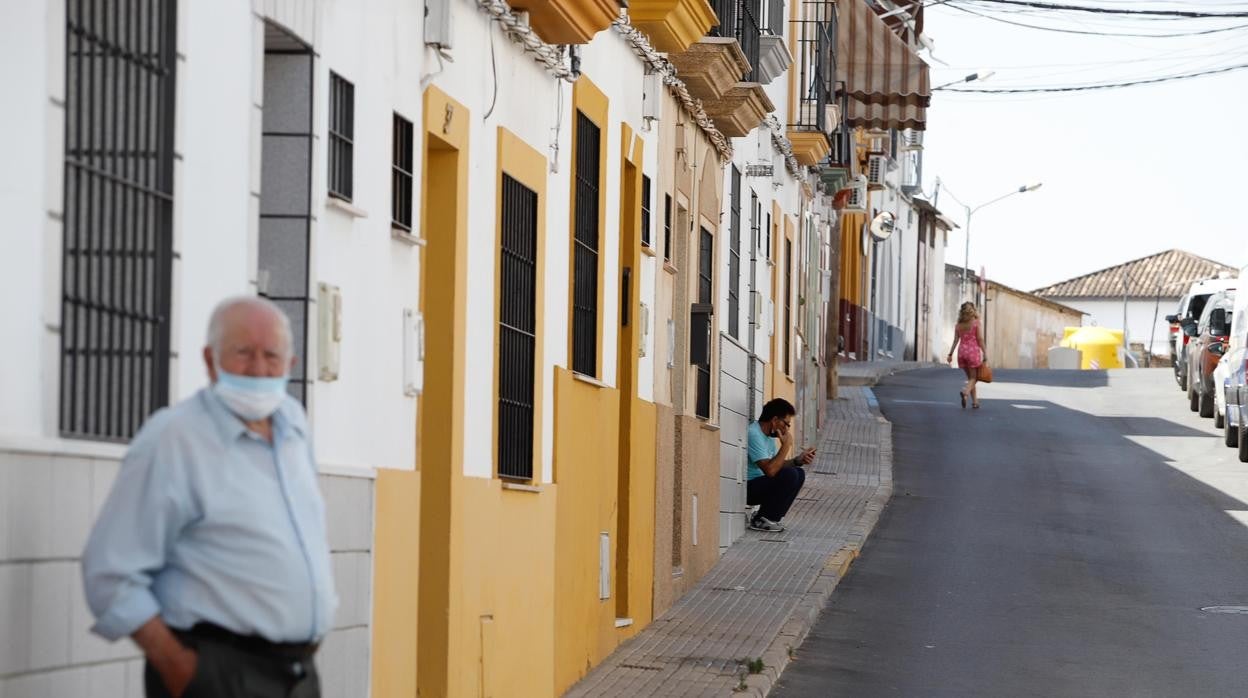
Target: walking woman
968	340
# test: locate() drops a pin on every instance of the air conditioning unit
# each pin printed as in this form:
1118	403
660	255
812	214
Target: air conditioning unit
912	139
831	118
857	201
438	23
877	166
651	95
877	142
910	170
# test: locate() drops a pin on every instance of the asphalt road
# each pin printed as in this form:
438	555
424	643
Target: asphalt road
1060	541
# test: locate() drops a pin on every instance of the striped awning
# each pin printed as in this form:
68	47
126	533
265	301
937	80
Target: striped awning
885	84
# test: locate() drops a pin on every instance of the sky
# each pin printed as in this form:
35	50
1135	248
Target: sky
1125	173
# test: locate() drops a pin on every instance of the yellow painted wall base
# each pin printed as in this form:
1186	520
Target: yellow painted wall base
586	438
507	591
396	575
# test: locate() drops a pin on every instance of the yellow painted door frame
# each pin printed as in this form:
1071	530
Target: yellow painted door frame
630	264
440	445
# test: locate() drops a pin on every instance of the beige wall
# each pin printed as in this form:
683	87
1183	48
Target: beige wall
686	452
1019	327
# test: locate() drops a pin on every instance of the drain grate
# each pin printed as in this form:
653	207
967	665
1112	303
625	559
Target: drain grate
1234	610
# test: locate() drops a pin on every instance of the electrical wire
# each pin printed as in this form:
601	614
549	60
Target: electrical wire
1186	14
1106	86
493	70
961	8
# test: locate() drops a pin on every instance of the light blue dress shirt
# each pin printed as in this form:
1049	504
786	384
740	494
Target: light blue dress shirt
207	521
759	446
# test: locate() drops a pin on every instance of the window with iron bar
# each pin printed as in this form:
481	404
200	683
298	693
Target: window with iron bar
734	257
645	211
401	174
788	306
117	253
706	261
585	257
517	328
667	227
756	239
740	20
816	71
341	135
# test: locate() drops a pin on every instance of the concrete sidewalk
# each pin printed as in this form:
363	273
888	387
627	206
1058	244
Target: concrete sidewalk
762	597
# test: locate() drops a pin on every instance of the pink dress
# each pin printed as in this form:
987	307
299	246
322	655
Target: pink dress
970	355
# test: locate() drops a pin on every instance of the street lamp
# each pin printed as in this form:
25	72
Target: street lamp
969	212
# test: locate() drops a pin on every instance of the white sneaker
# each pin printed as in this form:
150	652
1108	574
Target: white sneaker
762	523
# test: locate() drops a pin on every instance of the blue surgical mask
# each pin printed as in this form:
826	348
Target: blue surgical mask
249	397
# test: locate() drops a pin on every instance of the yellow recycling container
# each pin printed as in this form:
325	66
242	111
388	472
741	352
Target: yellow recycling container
1101	348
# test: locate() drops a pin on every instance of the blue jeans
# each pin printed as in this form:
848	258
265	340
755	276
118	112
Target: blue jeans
775	494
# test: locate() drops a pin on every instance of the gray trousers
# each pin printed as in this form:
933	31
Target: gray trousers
225	671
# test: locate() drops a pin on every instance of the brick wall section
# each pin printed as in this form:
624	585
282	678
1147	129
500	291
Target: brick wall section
763	595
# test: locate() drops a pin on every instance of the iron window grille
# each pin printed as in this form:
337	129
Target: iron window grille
842	141
667	227
283	241
706	261
117	254
773	17
756	239
788	306
645	211
341	137
734	257
585	257
739	19
401	174
517	327
816	66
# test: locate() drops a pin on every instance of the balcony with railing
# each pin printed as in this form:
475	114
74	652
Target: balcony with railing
773	51
720	68
816	70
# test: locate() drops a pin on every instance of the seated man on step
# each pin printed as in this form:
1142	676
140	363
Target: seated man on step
774	479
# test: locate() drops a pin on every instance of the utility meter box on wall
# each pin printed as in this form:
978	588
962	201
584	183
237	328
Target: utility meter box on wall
413	352
329	331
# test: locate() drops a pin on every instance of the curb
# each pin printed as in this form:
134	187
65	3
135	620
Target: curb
795	629
872	380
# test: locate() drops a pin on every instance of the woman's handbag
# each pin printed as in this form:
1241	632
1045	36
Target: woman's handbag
984	373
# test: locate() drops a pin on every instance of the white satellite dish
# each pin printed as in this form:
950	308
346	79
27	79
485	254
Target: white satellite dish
882	225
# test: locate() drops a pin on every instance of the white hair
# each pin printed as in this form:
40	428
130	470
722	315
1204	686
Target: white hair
216	321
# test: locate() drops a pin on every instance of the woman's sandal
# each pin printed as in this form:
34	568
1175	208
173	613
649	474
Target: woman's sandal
963	396
975	405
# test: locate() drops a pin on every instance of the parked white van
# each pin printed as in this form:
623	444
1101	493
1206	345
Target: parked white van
1190	307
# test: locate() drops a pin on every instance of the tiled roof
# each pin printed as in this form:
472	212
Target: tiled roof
1174	270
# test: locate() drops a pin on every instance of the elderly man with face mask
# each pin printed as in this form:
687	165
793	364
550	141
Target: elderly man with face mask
211	549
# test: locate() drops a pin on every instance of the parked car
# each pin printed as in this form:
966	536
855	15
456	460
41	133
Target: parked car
1237	412
1208	337
1230	373
1190	307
